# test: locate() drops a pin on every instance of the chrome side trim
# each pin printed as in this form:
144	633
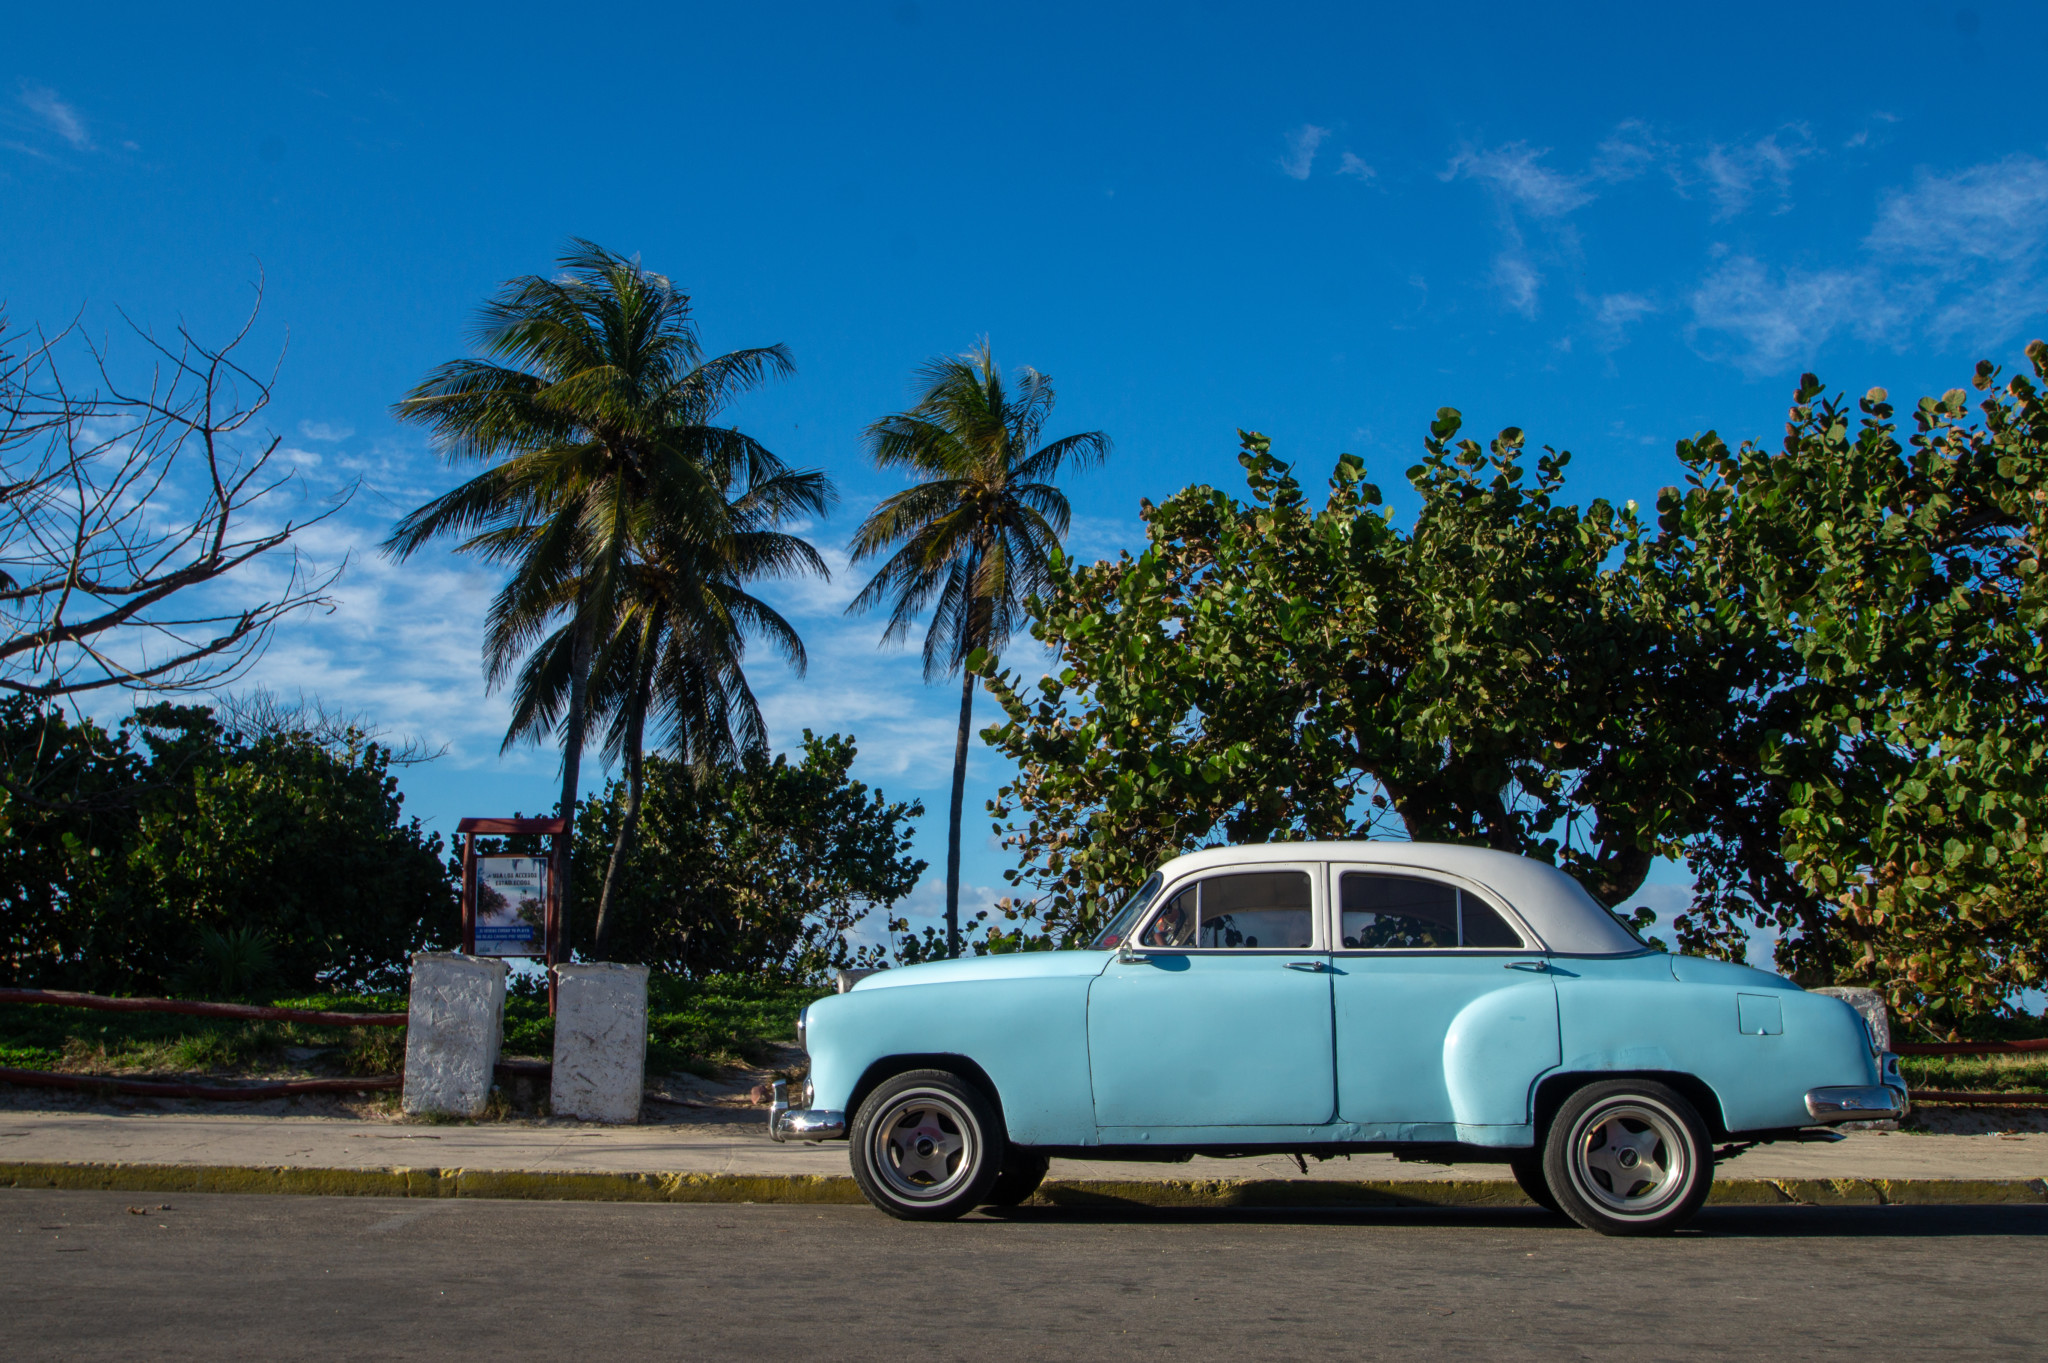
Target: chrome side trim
1879	1104
809	1124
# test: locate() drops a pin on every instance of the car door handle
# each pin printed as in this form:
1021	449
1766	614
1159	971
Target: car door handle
1313	967
1537	967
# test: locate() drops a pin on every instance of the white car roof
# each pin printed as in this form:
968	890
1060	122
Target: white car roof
1553	905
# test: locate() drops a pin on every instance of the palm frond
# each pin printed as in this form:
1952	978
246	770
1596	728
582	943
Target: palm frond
972	539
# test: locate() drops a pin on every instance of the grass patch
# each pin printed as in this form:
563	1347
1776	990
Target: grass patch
695	1026
81	1040
1980	1073
2026	1071
723	1020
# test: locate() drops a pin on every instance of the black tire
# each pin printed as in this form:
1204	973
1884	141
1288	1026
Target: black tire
926	1146
1628	1157
1528	1170
1023	1170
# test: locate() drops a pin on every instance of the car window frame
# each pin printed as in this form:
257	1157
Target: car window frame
1333	900
1317	914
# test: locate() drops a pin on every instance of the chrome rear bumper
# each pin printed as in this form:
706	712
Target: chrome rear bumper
786	1123
1880	1103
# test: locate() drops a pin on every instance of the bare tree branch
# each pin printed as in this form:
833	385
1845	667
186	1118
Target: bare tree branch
146	541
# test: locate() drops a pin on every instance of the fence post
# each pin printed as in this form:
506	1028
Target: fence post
600	1042
455	1025
1870	1003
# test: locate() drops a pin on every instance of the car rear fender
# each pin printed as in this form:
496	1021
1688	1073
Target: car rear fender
1555	1088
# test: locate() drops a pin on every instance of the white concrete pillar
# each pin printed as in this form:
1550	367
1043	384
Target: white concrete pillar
600	1041
454	1026
1870	1003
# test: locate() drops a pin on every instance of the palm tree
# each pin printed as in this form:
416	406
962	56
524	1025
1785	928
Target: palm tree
976	535
678	643
592	403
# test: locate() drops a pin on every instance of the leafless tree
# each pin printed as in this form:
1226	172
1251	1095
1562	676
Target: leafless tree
262	713
146	539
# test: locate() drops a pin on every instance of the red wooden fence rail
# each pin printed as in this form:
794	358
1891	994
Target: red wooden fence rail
1969	1047
219	1093
64	998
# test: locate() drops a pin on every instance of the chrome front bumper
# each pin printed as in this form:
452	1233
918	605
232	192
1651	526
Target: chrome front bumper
1881	1103
786	1123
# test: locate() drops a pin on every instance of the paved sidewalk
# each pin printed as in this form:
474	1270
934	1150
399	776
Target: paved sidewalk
736	1144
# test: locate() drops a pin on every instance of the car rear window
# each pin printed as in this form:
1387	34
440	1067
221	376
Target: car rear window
1381	912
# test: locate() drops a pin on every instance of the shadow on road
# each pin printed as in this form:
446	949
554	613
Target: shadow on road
1777	1223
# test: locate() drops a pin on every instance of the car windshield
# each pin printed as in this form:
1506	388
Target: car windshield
1124	919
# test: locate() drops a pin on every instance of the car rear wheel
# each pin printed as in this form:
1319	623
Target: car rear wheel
1023	1170
1628	1157
926	1146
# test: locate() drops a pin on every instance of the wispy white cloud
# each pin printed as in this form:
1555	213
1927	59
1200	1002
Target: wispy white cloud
1957	256
1530	191
1518	281
1782	316
403	644
1349	164
59	117
325	432
1538	199
1301	150
1632	149
1612	314
1733	173
1515	172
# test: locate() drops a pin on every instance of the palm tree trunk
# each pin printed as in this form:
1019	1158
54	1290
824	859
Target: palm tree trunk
629	824
572	759
953	832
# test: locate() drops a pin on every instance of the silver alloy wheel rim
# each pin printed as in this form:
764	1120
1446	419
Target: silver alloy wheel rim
924	1146
1630	1157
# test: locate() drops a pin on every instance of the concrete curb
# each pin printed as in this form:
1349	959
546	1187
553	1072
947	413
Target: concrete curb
839	1190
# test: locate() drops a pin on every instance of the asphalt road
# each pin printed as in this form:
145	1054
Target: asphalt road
81	1276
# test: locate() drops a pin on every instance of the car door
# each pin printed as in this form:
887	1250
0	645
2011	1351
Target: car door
1222	1019
1444	1005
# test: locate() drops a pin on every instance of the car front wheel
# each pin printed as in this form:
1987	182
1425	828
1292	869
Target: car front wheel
1628	1157
1527	1168
926	1146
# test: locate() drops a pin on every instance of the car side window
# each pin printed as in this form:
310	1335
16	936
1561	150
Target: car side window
1247	911
1380	912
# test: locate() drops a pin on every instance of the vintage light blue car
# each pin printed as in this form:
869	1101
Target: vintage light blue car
1332	997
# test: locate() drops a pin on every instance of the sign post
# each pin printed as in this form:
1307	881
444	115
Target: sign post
512	902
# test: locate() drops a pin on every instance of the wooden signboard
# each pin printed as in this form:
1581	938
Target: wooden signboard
512	902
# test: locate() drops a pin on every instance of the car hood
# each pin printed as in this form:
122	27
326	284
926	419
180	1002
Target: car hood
1701	970
1016	965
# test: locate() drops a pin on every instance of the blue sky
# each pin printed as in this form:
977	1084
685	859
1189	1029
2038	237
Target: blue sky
1615	226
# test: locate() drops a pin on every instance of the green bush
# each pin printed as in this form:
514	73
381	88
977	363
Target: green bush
173	854
760	867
